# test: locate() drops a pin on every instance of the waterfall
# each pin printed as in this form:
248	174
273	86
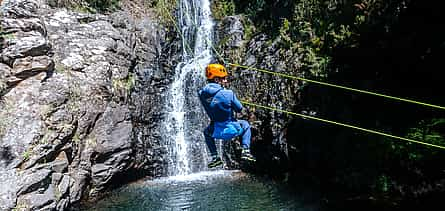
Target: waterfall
185	117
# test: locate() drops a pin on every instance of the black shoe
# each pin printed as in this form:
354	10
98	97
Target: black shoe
215	162
245	155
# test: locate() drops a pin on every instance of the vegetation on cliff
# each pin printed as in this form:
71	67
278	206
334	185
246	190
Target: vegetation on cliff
92	6
389	47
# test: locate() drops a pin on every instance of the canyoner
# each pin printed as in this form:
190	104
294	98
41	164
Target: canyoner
220	104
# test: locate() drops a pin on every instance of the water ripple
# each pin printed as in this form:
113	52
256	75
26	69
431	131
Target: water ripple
216	190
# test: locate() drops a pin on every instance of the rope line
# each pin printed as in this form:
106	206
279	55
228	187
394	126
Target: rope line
317	82
342	124
164	7
336	86
300	78
216	51
206	39
187	46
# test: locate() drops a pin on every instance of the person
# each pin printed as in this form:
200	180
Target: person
220	104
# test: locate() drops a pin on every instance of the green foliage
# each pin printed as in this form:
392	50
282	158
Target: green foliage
307	44
21	206
428	131
126	84
7	36
103	5
286	40
308	28
89	6
315	29
76	138
383	183
366	10
27	154
318	28
164	10
251	8
223	8
60	68
123	87
328	36
249	29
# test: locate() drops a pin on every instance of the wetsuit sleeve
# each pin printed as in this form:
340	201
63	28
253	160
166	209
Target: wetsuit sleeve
236	104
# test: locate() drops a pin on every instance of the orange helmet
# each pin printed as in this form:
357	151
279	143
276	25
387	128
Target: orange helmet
215	70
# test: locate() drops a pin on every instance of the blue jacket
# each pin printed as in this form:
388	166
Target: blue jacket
219	104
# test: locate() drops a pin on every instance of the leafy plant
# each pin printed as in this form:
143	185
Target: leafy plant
428	131
286	40
27	154
249	29
223	8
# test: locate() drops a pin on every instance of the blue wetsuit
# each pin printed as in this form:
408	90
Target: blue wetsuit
219	104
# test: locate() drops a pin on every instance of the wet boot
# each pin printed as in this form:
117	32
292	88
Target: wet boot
245	155
216	161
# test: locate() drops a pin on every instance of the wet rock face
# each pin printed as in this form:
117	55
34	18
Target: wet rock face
80	103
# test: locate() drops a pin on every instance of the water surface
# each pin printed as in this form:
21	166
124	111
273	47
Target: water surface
215	190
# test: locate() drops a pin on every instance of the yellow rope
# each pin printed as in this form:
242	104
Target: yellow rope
304	79
342	124
180	33
336	86
164	7
322	83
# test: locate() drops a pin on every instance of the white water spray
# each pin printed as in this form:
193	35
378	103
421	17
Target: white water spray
197	28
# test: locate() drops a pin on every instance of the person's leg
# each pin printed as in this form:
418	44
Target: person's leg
210	141
245	141
246	134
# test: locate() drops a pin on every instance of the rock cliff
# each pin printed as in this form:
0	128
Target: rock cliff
80	98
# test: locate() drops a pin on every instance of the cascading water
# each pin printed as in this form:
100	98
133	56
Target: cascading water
186	189
186	118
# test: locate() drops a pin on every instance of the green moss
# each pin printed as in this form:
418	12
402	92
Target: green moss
76	138
83	9
165	9
20	207
126	84
5	35
74	96
60	68
122	87
27	154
